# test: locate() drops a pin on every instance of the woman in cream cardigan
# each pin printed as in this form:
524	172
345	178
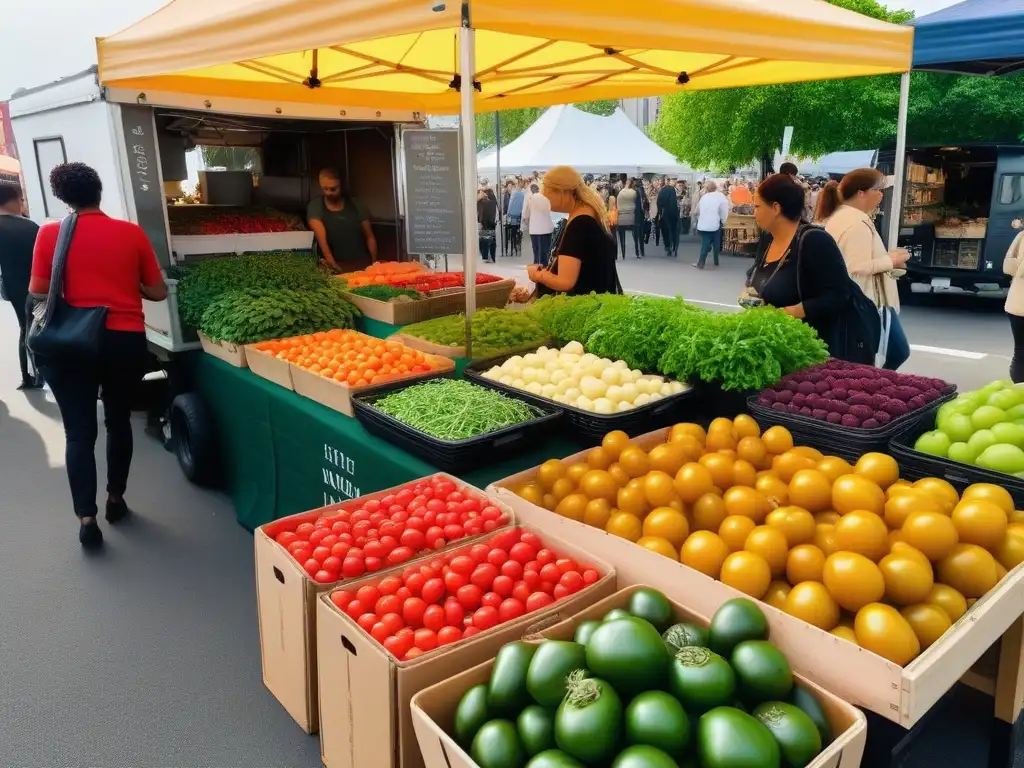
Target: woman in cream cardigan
1013	265
845	208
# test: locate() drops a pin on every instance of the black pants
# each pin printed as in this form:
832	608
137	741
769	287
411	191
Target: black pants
488	247
114	377
18	303
1017	363
671	225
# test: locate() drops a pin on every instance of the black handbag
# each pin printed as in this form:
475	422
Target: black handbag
59	331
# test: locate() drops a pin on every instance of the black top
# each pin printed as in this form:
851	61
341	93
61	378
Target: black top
17	238
822	283
668	203
487	213
585	239
344	229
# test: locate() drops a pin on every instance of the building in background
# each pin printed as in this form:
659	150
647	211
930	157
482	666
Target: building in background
642	112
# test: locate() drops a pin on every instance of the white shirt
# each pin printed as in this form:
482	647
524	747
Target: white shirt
537	215
712	212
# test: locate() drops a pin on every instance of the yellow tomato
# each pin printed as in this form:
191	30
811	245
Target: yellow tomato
968	569
1017	516
748	572
776	595
573	506
704	551
811	489
900	506
550	502
898	487
720	437
745	426
825	538
786	465
769	543
929	622
621	475
931	533
777	440
1010	552
796	524
577	471
659	545
903	549
980	522
852	580
742	500
708	512
721	469
734	531
696	431
744	473
550	471
809	453
668	524
880	468
692	481
833	467
772	488
634	460
942	490
598	484
597	513
907	580
752	449
614	443
864	533
805	563
562	487
846	633
995	494
829	516
667	458
882	630
658	488
631	499
949	600
857	492
531	492
811	602
599	458
625	525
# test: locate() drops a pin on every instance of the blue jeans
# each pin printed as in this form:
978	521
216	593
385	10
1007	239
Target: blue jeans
709	241
899	347
540	244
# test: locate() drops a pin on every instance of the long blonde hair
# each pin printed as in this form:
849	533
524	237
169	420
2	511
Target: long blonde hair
565	179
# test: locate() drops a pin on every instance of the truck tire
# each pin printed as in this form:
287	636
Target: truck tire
194	438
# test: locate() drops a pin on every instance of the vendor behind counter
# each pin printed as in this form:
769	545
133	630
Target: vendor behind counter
341	223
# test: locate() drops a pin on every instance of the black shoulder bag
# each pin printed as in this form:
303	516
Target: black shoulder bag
59	331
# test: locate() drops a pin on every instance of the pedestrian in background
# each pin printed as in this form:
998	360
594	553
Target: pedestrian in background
846	209
668	212
627	203
683	198
712	213
1013	265
486	223
537	221
17	237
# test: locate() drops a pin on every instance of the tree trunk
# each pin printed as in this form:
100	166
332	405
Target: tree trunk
767	165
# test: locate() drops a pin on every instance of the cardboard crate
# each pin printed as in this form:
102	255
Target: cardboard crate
286	605
405	312
269	367
433	709
900	694
338	397
232	354
365	692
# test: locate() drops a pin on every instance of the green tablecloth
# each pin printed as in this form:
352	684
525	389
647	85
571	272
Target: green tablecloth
282	453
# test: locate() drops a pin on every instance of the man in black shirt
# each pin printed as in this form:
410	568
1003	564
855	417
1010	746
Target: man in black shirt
668	213
17	238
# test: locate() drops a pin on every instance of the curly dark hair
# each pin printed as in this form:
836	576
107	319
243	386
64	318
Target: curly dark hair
76	184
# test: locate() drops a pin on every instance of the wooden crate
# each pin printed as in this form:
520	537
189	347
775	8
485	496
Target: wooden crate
232	354
900	694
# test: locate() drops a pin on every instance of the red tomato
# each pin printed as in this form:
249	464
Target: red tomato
550	572
470	631
493	599
506	539
453	582
386	501
510	609
321	553
373	564
452	532
436	506
355	609
590	576
443	487
412	653
483	576
368	595
300	546
416	524
352	567
340	549
559	592
404	496
286	537
311	566
547	586
371	505
412	611
455	496
342	598
469	596
388	604
379	632
532	579
333	564
503	586
367	620
497	557
533	565
490	512
513	569
448	635
323	576
317	536
469	506
566	564
433	590
340	527
393	622
571	581
389	585
485	617
425	639
400	555
522	553
545	556
454	614
434	617
490	525
538	600
388	542
532	539
473	527
415	582
398	646
463	565
329	540
521	591
304	530
404	593
434	536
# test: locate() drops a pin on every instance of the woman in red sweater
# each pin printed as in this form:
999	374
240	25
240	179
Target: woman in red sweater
110	263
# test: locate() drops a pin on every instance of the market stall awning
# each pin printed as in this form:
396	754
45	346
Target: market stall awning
976	37
403	54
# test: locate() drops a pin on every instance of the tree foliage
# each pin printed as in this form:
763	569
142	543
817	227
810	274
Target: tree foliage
514	122
736	126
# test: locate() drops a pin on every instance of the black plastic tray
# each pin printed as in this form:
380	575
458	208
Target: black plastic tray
453	456
594	426
916	465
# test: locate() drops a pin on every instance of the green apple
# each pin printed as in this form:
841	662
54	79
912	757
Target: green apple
1008	432
981	441
963	453
957	426
1002	458
1015	413
987	416
1005	398
935	443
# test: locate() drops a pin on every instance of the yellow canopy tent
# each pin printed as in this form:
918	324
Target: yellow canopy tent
413	55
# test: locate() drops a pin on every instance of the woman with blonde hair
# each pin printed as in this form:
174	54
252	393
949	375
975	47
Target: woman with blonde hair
1013	265
584	252
845	209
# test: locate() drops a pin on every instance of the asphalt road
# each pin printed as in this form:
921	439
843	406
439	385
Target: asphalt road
963	340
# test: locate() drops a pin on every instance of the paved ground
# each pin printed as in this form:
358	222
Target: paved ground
147	655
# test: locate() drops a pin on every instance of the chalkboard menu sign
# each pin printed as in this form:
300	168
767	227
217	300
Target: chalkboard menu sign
433	191
142	152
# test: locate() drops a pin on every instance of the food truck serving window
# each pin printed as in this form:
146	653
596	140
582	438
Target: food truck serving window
1011	188
50	153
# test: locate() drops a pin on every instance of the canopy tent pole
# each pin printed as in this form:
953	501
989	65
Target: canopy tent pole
467	130
499	188
900	167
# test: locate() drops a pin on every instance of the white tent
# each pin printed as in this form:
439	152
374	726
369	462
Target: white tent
565	135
